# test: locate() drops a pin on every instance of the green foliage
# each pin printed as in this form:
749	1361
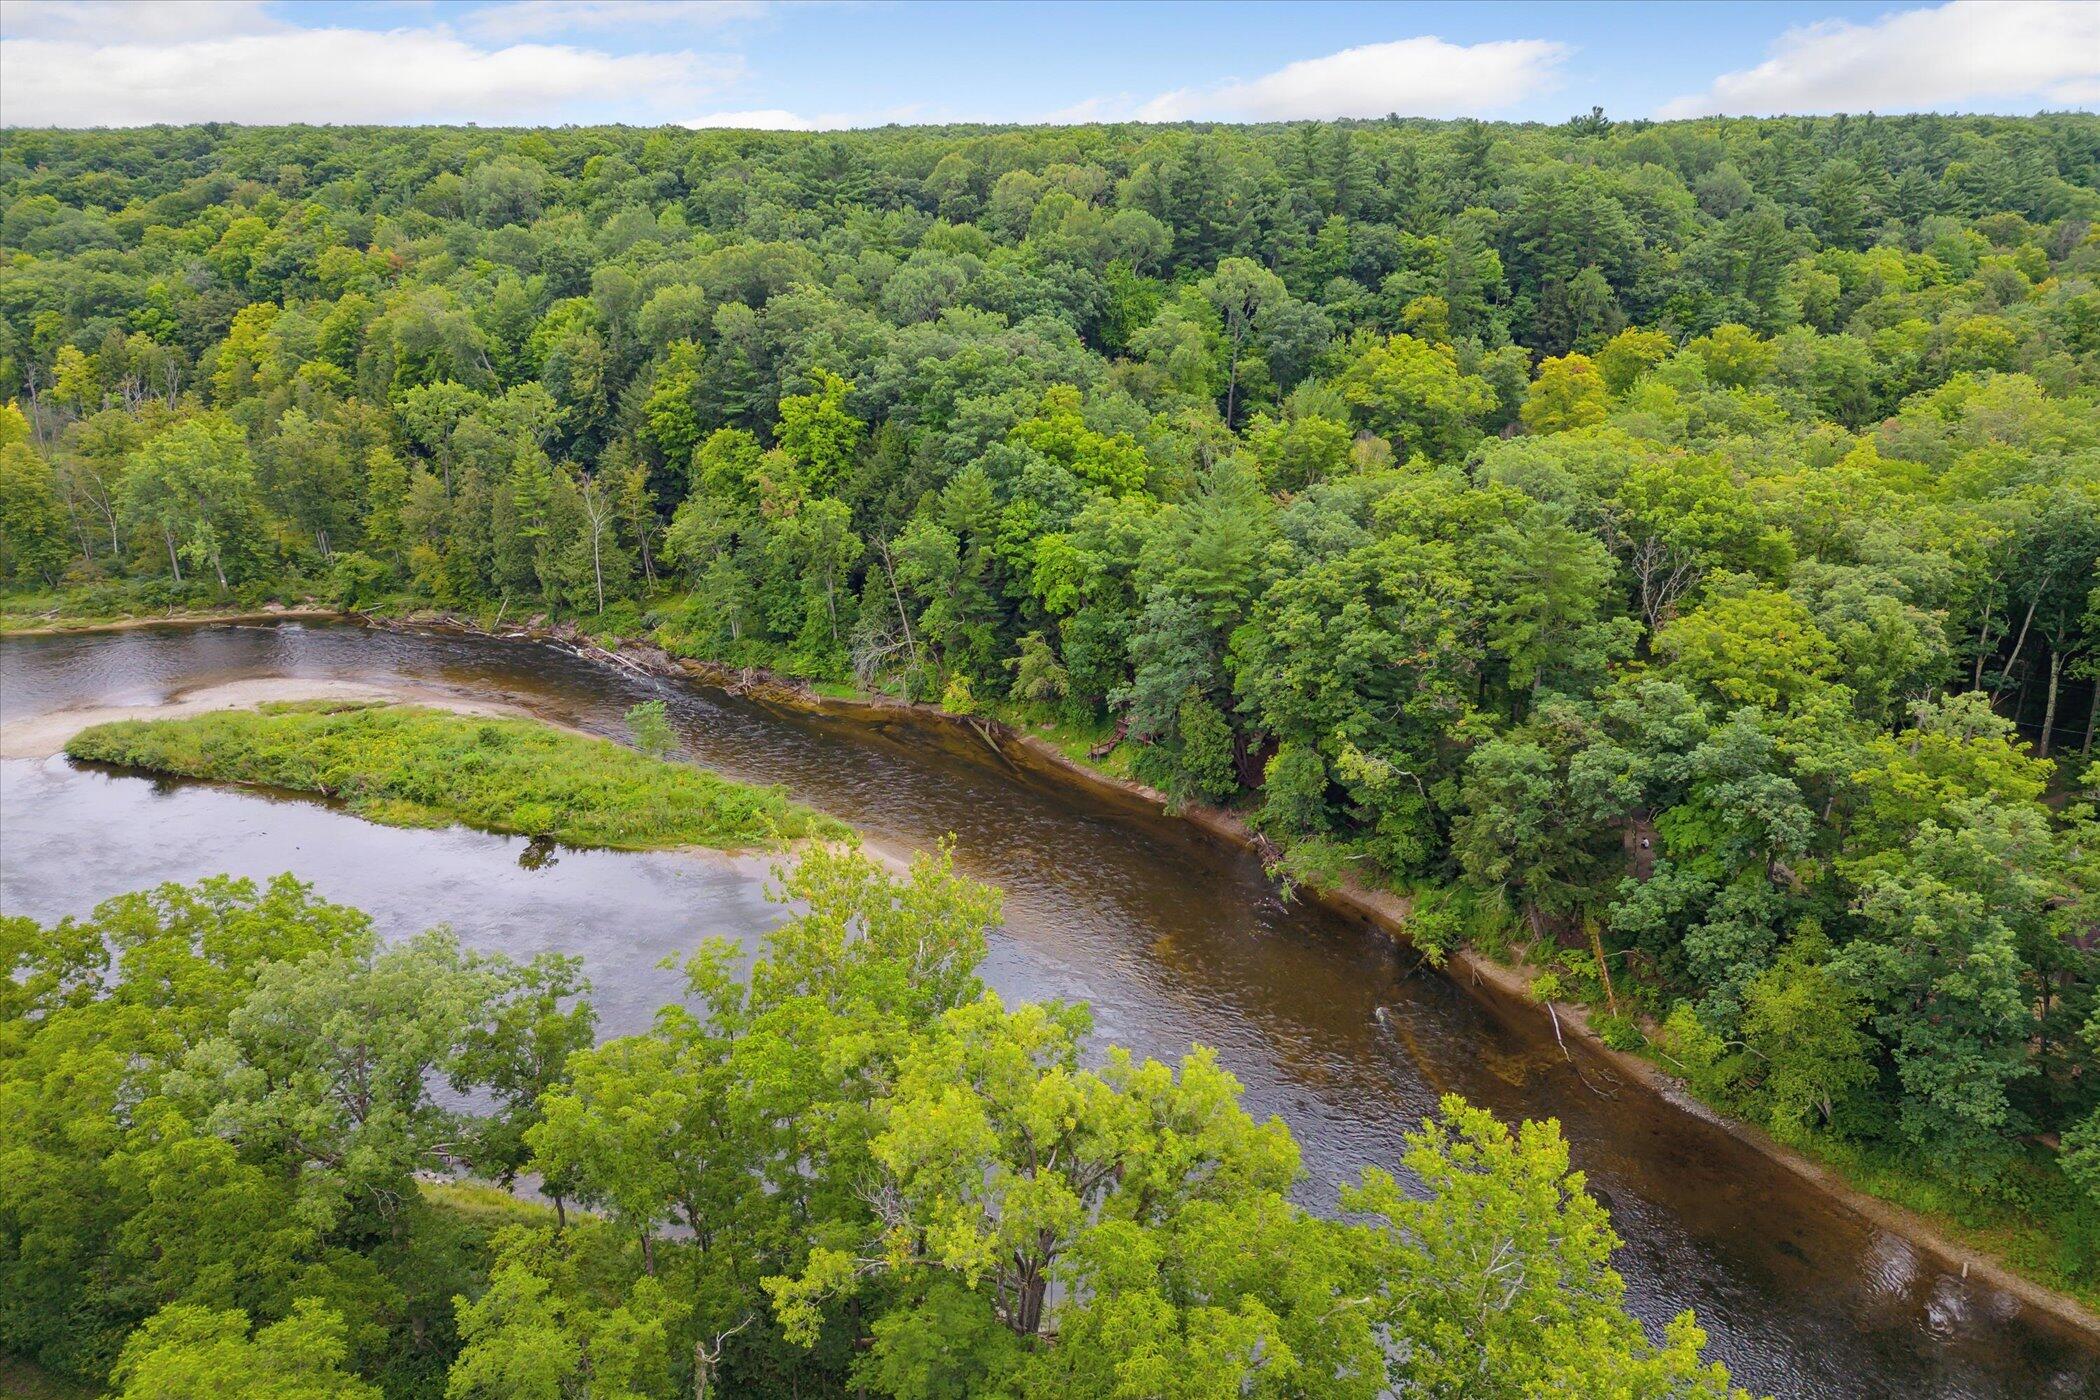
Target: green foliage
1570	392
32	518
529	1336
1293	792
1206	768
1749	641
846	1165
194	487
2081	1154
819	434
1758	648
1939	961
1620	1032
650	727
189	1353
356	579
1500	1273
1413	394
411	766
1039	678
1733	356
221	1094
956	697
1806	1027
1630	354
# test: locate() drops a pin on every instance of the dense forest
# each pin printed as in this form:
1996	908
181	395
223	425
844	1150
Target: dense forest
1668	549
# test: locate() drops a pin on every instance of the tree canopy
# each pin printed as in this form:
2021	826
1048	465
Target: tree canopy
1668	549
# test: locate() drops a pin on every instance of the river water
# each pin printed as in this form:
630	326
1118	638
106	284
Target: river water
1171	940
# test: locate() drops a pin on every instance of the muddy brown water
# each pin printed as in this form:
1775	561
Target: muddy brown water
1170	939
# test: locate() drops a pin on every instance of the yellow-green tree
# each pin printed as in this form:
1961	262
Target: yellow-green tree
1569	393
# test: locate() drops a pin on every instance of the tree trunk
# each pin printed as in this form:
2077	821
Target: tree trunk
1034	1288
1232	380
706	1358
174	563
599	518
2092	715
1611	996
80	533
2056	671
2021	641
1983	644
904	617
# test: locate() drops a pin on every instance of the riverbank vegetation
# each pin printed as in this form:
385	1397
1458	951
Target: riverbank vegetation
1668	546
845	1168
87	606
410	766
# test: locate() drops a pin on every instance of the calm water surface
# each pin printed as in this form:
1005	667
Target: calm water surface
1169	938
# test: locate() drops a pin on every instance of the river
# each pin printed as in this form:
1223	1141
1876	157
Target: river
1170	938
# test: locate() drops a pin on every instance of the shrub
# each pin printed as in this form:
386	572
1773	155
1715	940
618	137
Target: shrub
1618	1030
650	726
1294	792
1205	769
356	579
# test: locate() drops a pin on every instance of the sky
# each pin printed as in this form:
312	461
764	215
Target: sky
800	64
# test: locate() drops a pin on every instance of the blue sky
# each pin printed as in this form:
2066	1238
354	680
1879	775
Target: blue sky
749	62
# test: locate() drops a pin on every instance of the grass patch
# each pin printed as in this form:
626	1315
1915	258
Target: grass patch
408	766
485	1204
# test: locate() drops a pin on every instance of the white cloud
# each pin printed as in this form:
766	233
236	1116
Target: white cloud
1960	56
781	119
1420	77
89	20
537	19
1121	107
766	119
335	75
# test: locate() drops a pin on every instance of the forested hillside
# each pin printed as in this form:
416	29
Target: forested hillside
1669	546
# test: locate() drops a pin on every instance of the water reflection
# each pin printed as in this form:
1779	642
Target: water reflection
1171	939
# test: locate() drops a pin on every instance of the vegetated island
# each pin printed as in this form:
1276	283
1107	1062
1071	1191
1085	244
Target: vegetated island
407	765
